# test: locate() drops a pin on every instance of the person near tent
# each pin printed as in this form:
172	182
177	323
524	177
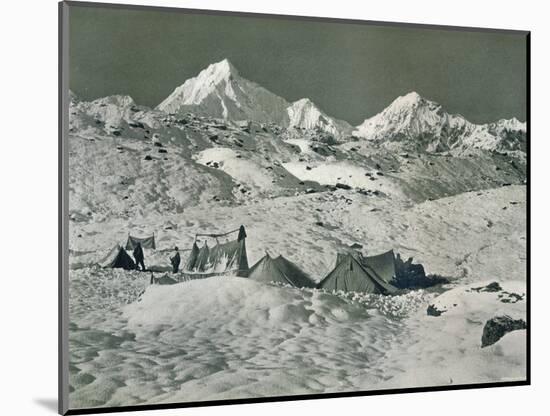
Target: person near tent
138	256
175	260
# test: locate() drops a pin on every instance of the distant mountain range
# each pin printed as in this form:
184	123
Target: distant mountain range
410	121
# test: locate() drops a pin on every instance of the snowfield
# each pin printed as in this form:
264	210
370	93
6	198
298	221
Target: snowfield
231	338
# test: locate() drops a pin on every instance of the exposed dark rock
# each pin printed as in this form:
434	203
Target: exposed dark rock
163	151
136	124
158	144
433	311
491	287
495	328
342	186
321	150
356	246
510	297
413	276
148	157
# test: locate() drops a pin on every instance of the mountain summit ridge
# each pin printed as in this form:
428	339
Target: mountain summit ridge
416	121
220	91
410	120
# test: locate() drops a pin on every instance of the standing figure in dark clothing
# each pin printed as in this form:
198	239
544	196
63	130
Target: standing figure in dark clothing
138	256
175	261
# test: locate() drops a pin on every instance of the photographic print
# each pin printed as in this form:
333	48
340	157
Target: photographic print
258	207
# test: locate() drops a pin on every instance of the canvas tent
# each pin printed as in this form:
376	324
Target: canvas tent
146	242
117	258
228	257
349	275
192	259
382	264
279	270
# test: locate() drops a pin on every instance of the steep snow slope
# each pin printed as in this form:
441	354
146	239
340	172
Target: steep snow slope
419	123
304	114
111	178
219	91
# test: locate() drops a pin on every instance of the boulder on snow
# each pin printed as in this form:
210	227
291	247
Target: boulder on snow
342	186
491	287
495	328
323	151
433	311
136	124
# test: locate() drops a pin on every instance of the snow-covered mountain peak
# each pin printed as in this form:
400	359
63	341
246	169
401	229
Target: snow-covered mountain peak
195	90
220	91
408	116
411	102
408	100
303	102
303	113
415	121
118	100
217	72
512	124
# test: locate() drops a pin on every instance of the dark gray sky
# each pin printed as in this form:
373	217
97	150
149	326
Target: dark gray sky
352	71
